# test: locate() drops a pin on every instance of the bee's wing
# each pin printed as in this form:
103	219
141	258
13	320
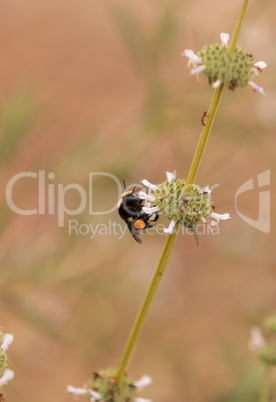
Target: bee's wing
134	232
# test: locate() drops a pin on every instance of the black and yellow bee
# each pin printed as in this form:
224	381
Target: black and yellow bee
130	210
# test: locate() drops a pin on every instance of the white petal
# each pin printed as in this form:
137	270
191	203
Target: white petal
7	340
220	217
193	58
224	38
152	218
258	67
6	377
95	395
196	71
149	185
147	204
75	390
256	340
142	400
170	230
260	64
256	88
216	84
206	190
143	381
145	196
150	211
170	176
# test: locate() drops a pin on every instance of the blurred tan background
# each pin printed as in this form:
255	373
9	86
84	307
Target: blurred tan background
100	86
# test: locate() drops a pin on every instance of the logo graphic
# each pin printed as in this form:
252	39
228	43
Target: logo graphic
52	198
262	223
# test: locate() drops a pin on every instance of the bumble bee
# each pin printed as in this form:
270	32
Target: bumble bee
130	210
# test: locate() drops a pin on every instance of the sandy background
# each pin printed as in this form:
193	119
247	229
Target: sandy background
100	86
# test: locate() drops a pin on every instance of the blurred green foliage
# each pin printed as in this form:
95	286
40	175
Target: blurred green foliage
17	115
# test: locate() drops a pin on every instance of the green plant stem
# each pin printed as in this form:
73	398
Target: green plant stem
203	137
142	314
237	29
168	247
213	107
264	395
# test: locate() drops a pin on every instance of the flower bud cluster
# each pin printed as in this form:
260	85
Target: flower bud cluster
225	67
267	354
103	387
270	324
265	345
179	204
103	383
232	69
5	374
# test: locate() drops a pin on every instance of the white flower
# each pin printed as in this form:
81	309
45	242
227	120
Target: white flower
203	220
149	185
216	84
144	381
194	61
256	88
206	190
259	66
196	71
219	217
151	210
7	340
224	38
6	377
95	396
170	176
193	58
76	391
170	229
145	196
256	340
148	197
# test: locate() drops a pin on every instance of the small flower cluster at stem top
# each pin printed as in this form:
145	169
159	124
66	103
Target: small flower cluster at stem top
178	205
265	345
5	374
235	69
102	387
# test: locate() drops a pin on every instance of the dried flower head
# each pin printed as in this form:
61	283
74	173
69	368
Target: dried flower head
235	69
